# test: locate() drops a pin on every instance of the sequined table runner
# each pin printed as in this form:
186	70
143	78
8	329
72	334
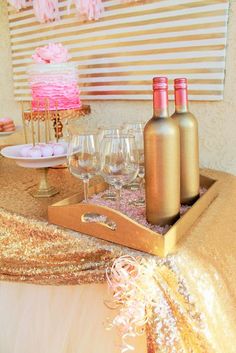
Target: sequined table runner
33	251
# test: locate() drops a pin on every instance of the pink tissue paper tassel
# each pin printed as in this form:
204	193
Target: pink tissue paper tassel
19	4
90	9
46	10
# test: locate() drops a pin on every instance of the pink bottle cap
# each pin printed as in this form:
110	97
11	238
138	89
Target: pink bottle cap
160	83
181	83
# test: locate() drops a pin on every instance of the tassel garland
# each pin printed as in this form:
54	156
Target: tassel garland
19	4
48	10
89	9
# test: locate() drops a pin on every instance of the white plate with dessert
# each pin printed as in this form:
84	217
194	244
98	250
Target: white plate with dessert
7	133
7	127
39	156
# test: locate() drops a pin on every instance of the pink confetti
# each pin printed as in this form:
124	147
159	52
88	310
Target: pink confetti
130	209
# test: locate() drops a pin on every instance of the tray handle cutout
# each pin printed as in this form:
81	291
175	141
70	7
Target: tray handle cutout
99	219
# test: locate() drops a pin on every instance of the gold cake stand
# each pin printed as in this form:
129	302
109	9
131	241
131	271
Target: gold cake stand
54	117
38	125
44	189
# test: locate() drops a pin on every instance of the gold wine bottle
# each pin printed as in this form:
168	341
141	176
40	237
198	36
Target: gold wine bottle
162	160
189	155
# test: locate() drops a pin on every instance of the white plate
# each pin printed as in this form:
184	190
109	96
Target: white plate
6	133
13	152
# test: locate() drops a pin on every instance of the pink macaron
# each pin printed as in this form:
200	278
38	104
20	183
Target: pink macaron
47	151
58	149
35	152
24	151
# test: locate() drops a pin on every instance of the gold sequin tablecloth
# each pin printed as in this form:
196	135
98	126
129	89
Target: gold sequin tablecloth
31	250
35	252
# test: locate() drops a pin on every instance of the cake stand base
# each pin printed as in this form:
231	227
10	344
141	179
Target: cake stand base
61	166
44	189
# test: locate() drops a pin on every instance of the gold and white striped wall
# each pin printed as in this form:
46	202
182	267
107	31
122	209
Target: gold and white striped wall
118	55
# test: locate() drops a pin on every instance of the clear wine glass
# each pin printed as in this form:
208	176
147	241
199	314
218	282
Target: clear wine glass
113	131
135	126
138	135
119	161
83	158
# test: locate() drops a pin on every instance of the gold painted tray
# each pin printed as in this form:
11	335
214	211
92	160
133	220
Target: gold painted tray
108	224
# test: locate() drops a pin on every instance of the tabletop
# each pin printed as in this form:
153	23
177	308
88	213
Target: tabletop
33	251
216	227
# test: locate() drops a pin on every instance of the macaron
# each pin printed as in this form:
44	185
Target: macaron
58	149
46	151
35	152
24	151
7	124
6	120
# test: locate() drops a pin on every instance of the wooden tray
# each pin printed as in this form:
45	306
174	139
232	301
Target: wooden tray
116	227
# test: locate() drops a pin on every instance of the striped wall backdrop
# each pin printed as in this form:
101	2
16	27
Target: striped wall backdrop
118	55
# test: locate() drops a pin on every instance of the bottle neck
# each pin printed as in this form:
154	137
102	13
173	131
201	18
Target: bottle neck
160	103
181	100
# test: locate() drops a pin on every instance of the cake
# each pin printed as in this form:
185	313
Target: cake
53	80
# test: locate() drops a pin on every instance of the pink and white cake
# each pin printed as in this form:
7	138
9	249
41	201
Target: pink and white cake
53	80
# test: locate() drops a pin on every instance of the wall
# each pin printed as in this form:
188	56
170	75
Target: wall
116	49
8	107
217	125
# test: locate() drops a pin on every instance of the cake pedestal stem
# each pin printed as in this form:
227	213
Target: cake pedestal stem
58	126
44	189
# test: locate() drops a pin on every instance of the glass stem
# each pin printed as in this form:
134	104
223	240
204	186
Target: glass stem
118	192
109	190
86	190
142	183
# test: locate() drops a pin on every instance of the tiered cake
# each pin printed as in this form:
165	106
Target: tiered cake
53	80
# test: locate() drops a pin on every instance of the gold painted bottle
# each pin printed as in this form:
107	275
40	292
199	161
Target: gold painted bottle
162	160
189	154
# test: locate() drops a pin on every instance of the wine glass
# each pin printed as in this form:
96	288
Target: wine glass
113	131
119	161
135	126
102	131
138	135
83	158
